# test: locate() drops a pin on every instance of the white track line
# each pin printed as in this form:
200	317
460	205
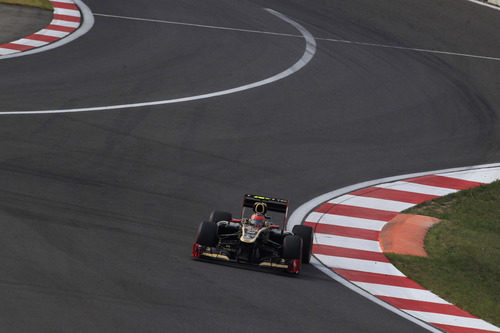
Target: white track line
309	53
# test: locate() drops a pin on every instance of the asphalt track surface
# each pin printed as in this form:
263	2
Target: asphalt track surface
99	210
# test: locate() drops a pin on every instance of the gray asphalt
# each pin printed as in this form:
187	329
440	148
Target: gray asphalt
99	210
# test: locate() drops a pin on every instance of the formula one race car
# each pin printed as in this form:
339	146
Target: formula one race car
252	239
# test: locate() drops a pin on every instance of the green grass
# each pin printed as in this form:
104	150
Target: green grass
463	266
44	4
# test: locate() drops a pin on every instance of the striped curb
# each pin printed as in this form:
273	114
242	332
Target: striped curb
347	229
66	19
493	4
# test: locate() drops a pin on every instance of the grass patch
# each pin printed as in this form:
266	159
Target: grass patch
463	266
44	4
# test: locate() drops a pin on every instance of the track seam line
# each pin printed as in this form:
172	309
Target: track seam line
333	40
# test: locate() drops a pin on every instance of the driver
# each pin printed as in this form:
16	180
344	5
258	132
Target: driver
258	220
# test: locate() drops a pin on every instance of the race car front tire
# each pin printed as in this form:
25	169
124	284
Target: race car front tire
306	233
207	234
292	252
292	247
217	216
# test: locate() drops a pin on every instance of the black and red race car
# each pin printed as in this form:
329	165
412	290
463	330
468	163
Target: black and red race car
253	239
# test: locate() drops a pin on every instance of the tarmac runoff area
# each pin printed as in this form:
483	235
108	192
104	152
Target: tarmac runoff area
355	224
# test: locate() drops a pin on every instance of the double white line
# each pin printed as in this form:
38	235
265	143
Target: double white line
309	53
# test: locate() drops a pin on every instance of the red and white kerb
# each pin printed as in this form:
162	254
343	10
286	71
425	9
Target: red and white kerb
66	19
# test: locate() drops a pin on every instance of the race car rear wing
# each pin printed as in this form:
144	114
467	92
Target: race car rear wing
273	204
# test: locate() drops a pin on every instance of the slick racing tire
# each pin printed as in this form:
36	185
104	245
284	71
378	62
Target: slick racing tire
217	216
207	234
292	247
306	233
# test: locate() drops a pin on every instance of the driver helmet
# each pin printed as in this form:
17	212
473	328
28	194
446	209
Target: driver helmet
258	220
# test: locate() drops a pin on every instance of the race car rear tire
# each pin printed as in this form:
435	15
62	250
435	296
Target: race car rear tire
306	233
207	234
292	247
217	216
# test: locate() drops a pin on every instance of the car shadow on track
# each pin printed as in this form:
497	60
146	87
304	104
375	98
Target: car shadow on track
307	272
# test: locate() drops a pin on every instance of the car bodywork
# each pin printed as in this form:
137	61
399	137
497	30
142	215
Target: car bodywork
238	240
